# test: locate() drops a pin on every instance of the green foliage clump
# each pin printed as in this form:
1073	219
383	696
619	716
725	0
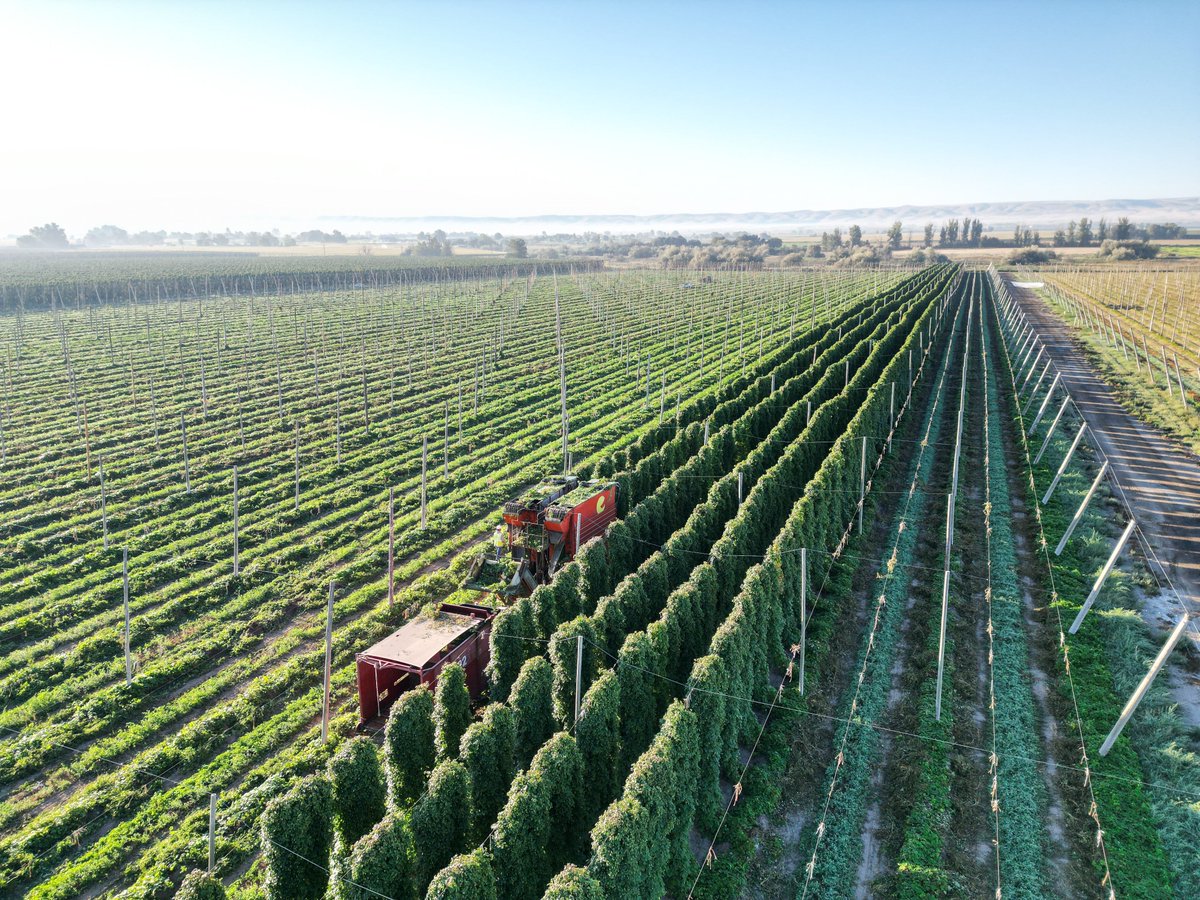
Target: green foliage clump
536	831
513	634
533	707
467	877
564	649
359	792
641	842
297	827
488	751
574	883
451	710
441	819
200	885
383	862
599	734
408	744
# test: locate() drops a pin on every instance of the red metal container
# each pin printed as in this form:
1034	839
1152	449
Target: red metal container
416	653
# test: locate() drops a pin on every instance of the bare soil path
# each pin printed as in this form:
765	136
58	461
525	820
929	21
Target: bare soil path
1161	481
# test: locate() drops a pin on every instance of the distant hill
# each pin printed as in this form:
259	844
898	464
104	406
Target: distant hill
1035	213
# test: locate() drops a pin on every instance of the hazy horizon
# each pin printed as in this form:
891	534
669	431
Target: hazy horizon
218	115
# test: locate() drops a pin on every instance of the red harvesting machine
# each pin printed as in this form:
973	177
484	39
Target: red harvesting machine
541	531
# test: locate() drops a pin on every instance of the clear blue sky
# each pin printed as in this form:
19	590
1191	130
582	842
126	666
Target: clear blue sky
211	113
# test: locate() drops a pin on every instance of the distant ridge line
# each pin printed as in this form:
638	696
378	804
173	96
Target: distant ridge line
1056	213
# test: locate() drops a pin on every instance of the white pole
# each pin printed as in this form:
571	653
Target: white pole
937	711
1148	679
424	462
739	487
1036	387
1045	403
1079	512
103	504
862	485
1066	461
125	590
391	547
1104	573
212	832
235	521
328	666
578	672
578	531
892	416
187	475
1053	427
803	611
296	501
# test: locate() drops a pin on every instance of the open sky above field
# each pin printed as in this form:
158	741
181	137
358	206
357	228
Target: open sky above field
216	114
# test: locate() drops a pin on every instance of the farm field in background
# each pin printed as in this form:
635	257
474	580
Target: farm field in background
821	652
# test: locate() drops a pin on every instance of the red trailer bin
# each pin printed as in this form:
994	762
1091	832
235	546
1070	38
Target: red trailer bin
416	653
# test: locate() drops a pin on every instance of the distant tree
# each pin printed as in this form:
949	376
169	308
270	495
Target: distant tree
976	233
895	235
929	235
855	235
943	236
45	237
1102	230
1028	256
1085	232
451	711
835	239
966	230
106	236
952	231
1124	229
1072	233
1060	238
517	247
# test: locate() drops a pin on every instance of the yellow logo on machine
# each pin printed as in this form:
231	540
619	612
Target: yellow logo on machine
600	504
